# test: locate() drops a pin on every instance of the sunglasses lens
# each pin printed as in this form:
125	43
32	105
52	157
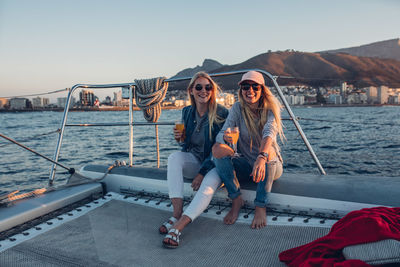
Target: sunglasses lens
245	87
198	87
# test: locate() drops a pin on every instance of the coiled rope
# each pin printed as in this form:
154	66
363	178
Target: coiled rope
149	95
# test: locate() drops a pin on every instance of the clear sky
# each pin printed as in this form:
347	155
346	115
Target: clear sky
47	45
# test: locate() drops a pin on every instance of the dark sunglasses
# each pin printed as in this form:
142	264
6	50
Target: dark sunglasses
246	86
198	87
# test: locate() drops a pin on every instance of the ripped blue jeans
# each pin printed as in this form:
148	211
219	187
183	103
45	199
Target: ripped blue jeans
227	167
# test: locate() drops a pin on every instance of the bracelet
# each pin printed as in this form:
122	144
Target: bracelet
262	156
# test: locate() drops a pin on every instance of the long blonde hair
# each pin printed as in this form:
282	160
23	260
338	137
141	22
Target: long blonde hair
212	103
256	121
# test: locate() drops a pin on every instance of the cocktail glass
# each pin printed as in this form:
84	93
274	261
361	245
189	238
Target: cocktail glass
235	138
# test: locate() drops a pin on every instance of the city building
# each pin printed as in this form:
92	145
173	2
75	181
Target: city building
107	101
226	99
62	101
352	99
86	98
167	103
39	102
310	99
334	99
372	94
19	103
383	94
295	99
3	103
117	98
121	102
179	103
394	99
343	89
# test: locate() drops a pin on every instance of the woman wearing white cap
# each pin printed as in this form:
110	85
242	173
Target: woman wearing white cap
257	115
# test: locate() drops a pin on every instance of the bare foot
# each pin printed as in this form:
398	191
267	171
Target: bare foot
233	214
260	218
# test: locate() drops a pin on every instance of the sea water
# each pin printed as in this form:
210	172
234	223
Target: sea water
360	141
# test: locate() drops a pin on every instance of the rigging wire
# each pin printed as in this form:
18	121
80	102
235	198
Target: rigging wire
32	137
70	170
38	94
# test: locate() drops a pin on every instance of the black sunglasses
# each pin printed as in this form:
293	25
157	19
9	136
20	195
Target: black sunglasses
198	87
246	86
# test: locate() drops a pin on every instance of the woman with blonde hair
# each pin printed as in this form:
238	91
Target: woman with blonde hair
202	120
258	119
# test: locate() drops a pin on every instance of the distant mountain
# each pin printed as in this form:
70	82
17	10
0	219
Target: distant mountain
208	66
321	69
385	49
328	68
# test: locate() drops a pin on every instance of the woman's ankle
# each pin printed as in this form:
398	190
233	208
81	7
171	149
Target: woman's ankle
182	222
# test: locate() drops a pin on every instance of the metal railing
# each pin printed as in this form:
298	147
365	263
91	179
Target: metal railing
131	87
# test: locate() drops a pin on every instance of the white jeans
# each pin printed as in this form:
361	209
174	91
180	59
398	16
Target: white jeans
184	164
180	164
203	197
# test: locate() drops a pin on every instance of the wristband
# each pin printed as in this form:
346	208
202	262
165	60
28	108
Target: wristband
264	155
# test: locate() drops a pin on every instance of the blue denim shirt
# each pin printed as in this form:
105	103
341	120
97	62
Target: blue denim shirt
189	119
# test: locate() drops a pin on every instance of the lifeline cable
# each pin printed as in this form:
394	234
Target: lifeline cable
33	137
38	94
70	170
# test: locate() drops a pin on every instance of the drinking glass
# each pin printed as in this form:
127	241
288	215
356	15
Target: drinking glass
235	137
234	134
180	127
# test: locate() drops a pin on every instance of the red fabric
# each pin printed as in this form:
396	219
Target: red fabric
357	227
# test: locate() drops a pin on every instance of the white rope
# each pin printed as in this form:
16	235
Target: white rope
149	95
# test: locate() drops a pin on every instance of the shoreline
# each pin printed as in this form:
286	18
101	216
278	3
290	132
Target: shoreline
112	108
89	109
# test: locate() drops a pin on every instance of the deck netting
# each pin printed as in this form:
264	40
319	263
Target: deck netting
120	233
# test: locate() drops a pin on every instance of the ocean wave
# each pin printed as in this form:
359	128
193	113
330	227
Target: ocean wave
120	154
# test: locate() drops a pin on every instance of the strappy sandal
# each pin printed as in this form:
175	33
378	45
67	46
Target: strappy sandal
170	237
168	225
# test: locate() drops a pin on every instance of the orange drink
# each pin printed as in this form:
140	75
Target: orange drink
235	135
179	126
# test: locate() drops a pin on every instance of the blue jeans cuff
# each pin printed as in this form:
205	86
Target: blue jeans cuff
234	195
262	203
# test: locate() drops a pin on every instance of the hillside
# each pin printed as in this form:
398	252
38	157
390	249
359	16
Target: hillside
207	66
389	49
319	69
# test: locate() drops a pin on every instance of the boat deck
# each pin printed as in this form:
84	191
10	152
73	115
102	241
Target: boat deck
123	231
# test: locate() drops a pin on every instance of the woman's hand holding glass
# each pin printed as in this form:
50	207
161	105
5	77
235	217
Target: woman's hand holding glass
232	136
179	131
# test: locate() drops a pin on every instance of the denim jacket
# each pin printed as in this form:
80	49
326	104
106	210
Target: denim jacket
189	120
